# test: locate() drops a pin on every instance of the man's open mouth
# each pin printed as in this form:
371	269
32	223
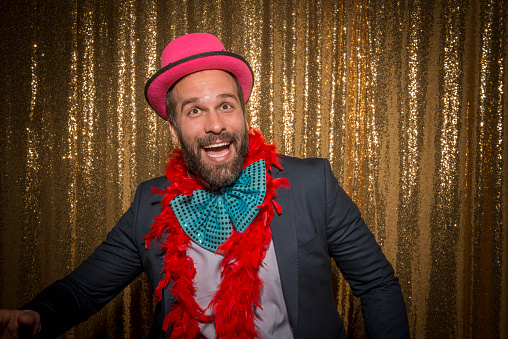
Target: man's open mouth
217	150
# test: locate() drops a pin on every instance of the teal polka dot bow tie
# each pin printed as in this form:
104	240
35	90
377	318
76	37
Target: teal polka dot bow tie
206	216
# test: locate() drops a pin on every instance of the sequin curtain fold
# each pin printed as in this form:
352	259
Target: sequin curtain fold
406	99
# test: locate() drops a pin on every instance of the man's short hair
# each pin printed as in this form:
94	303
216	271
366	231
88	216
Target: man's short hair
170	103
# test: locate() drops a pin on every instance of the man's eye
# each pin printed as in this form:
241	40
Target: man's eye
225	106
194	111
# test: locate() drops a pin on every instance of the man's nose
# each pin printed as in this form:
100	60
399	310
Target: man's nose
214	123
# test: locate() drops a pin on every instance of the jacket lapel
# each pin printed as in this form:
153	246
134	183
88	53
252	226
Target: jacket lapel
285	244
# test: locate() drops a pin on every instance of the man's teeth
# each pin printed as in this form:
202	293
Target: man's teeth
222	144
214	150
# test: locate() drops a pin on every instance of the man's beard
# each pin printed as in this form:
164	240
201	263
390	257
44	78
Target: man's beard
216	175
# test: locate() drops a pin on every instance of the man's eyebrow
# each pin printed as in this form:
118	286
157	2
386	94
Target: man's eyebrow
228	95
220	96
188	101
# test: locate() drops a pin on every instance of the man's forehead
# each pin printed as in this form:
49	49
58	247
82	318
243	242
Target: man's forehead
206	85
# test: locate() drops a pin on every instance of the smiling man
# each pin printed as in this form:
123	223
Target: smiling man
235	239
209	123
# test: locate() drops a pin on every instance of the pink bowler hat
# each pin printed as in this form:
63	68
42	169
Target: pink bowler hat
189	54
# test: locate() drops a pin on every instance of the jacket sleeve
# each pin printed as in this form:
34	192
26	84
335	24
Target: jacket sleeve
107	271
363	265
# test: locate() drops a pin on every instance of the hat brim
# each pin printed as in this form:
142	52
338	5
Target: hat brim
159	84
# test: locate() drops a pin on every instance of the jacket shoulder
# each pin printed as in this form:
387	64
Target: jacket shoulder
295	161
159	182
305	168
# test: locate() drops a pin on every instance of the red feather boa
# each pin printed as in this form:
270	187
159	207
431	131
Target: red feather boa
243	253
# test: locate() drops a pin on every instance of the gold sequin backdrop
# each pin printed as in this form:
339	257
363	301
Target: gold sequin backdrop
407	99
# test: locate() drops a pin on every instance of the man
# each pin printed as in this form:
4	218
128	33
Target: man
236	240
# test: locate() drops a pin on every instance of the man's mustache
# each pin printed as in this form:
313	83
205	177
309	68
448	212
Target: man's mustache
225	136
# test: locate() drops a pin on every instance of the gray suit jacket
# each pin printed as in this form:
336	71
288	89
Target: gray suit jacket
318	222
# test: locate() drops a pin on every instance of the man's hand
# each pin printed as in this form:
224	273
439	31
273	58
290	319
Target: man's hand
19	324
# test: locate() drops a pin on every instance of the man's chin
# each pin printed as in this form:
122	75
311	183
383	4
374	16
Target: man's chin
219	175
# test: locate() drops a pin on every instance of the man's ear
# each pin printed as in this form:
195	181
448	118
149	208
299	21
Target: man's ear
174	135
